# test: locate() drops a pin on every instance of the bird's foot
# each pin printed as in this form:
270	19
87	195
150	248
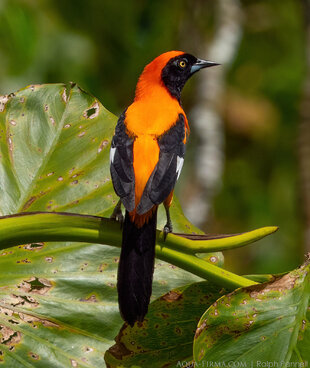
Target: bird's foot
167	229
117	214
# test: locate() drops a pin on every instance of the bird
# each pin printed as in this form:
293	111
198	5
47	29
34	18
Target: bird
146	159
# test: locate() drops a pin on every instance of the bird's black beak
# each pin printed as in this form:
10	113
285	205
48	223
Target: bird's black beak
199	64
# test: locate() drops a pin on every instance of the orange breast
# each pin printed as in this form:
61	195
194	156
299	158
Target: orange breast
146	154
154	114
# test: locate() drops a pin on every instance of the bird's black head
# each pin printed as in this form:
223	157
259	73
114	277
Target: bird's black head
179	69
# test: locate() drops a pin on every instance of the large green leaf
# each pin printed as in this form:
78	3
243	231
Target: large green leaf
165	338
258	325
58	303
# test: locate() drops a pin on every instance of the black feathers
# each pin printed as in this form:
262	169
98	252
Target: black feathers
177	72
135	269
121	165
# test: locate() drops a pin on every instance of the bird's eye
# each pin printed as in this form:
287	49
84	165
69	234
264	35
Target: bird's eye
182	64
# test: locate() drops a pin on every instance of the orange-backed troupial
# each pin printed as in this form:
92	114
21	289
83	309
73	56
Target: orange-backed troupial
147	155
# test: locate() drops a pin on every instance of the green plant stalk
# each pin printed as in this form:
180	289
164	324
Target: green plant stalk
74	227
38	227
203	269
51	226
217	244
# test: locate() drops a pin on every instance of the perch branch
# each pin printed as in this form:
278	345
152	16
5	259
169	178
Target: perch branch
178	249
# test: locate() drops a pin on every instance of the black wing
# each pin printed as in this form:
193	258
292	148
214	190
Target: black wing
168	168
121	165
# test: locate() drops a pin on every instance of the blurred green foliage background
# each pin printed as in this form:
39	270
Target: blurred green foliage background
104	45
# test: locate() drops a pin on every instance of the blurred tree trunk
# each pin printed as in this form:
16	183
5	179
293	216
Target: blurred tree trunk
304	133
205	116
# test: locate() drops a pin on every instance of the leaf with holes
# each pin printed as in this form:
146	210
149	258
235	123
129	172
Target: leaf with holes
259	324
58	301
165	337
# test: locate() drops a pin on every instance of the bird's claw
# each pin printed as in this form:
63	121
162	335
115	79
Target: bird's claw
119	218
117	215
167	229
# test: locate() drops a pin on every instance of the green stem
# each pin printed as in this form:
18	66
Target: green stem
62	226
216	243
202	268
57	226
44	226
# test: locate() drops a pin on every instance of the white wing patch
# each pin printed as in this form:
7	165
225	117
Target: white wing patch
112	153
180	161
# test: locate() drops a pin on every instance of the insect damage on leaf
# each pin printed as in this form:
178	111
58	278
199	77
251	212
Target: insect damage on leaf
9	336
33	246
52	120
32	199
18	301
102	145
3	100
172	296
92	112
30	319
35	285
73	363
64	95
91	299
33	355
280	284
119	350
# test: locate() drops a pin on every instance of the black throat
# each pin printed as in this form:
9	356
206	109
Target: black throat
175	78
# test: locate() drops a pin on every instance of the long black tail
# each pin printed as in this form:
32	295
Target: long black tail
135	269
